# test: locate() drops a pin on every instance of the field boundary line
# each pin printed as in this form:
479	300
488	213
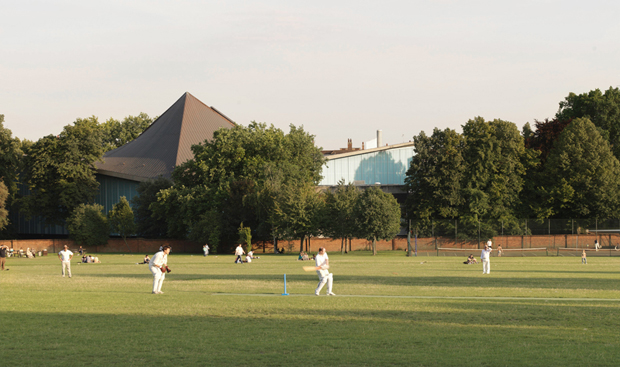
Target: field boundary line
499	298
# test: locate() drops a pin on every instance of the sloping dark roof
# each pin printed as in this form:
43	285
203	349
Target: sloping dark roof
166	143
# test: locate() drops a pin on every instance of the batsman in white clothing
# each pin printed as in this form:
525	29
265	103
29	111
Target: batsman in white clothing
158	266
322	264
485	256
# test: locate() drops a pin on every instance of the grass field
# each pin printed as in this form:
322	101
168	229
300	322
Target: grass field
390	311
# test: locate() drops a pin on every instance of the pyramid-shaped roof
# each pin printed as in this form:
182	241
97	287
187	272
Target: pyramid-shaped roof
166	143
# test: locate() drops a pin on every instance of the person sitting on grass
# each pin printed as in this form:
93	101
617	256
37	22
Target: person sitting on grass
84	259
301	256
146	260
470	260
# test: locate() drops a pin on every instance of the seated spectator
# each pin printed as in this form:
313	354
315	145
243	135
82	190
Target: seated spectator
146	260
301	255
470	260
29	253
84	259
248	257
89	259
96	260
305	257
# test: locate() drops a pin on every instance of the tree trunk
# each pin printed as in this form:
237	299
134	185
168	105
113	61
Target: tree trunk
342	245
374	246
350	239
125	239
301	244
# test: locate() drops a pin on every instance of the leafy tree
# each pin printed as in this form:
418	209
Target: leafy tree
121	220
378	216
339	217
435	177
245	237
88	226
546	134
60	171
118	133
236	177
4	214
147	225
583	175
10	159
298	212
603	109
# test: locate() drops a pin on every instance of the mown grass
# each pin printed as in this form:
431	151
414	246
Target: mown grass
216	313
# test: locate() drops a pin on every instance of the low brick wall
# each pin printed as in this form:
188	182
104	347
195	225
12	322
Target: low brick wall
114	245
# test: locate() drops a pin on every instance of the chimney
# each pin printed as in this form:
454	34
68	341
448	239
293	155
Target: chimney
349	144
379	138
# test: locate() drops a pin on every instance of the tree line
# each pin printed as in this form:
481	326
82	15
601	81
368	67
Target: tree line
566	167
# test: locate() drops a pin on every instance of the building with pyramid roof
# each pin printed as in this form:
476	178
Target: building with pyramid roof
155	153
166	143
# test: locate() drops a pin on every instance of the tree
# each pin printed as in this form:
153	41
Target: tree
4	214
121	220
10	159
117	133
235	177
603	109
583	175
245	237
435	177
88	226
339	217
60	172
298	212
146	224
378	216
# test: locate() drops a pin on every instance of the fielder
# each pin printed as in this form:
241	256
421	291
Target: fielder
158	266
322	264
485	256
65	257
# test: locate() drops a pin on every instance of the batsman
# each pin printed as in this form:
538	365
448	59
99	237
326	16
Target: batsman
322	264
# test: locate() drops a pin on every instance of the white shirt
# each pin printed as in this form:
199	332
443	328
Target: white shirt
490	244
65	255
158	259
239	251
321	260
484	255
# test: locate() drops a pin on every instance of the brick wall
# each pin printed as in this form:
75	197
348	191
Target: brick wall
114	245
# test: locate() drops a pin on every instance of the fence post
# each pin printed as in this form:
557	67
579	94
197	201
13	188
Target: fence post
456	233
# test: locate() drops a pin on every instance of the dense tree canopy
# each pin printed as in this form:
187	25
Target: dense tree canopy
4	214
339	216
147	225
583	176
121	220
234	178
10	158
60	172
603	109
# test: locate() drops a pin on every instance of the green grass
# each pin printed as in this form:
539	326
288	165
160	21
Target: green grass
542	311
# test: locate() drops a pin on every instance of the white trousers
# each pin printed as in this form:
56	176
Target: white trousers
324	277
486	266
66	265
158	278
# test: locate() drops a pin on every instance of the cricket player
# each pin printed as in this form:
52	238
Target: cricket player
65	257
157	266
239	252
485	256
322	264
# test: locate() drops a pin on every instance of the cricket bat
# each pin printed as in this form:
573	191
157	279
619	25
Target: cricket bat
311	268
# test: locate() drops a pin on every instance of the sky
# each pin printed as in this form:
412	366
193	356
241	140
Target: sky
341	69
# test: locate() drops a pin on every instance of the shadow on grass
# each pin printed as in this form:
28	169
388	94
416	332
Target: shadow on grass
316	335
423	281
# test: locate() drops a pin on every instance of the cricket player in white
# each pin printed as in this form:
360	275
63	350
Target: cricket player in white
485	256
65	257
322	264
158	261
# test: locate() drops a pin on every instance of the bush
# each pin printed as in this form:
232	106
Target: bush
88	226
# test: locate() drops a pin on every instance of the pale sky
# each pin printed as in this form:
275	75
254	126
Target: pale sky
342	69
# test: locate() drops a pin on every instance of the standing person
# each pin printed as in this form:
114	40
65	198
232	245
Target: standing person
81	251
584	260
490	244
322	264
596	245
499	251
239	252
158	266
65	257
3	251
205	249
485	256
